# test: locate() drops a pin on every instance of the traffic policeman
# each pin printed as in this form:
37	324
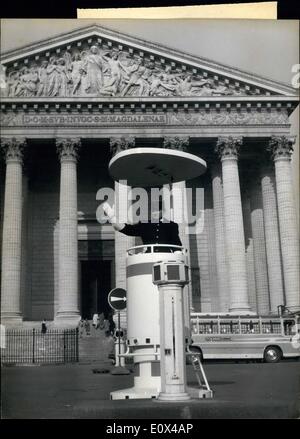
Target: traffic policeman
155	231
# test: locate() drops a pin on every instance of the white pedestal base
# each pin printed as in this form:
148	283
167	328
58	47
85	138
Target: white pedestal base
197	393
135	393
143	389
173	397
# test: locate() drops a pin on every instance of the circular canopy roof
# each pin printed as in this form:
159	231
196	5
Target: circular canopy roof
155	166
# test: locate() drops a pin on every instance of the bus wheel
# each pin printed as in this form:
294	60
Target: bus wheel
272	354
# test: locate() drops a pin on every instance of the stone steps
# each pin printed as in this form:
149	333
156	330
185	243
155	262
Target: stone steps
94	346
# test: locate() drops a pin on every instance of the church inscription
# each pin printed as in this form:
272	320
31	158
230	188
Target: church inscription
179	118
87	120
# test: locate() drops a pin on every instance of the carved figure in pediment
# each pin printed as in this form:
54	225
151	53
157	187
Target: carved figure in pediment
53	77
58	77
93	65
28	81
76	70
184	86
43	79
221	90
187	86
160	87
149	74
64	77
13	82
239	92
172	78
135	72
117	71
210	90
32	81
3	81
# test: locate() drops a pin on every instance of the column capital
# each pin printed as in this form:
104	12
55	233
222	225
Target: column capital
118	144
281	147
67	148
228	147
13	148
179	143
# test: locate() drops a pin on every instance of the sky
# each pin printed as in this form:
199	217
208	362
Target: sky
269	48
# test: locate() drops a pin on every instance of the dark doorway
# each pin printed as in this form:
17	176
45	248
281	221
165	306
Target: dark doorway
95	286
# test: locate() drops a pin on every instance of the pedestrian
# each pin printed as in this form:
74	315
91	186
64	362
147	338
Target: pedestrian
44	327
87	327
112	325
81	328
101	320
95	320
106	327
251	326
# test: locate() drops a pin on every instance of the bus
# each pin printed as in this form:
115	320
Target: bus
225	336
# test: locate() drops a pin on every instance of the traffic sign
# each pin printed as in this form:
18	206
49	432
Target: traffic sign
117	299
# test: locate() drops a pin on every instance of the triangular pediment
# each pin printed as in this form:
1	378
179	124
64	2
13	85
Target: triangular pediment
98	62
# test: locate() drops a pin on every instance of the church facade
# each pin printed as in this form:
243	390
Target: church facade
68	103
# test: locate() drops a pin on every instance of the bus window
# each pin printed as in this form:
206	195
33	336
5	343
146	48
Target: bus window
208	327
250	327
289	327
271	327
195	328
229	327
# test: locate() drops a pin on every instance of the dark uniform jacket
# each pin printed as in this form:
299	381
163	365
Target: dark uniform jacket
154	233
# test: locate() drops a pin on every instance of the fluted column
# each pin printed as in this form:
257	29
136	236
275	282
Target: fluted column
68	308
227	148
259	245
272	237
282	148
218	203
122	242
12	229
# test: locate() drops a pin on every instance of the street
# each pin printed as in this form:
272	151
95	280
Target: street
241	390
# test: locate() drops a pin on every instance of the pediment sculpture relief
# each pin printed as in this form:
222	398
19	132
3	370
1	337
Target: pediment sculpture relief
97	72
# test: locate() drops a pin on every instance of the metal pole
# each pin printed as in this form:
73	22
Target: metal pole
33	343
77	345
64	342
119	338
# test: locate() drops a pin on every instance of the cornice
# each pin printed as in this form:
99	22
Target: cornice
164	103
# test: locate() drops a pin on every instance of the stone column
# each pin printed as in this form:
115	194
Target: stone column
11	312
218	203
272	237
249	249
259	245
180	205
122	242
227	148
282	148
68	308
